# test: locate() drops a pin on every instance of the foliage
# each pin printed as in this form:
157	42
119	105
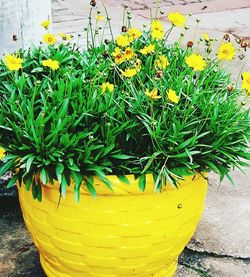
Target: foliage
60	121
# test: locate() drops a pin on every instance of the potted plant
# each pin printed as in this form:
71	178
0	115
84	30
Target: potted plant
111	146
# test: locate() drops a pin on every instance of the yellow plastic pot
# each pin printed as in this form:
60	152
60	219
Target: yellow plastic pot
125	233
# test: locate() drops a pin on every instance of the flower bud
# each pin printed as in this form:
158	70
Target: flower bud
159	74
244	44
124	29
230	87
93	3
190	44
226	37
105	54
106	41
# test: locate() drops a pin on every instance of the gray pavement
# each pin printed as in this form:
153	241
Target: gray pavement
221	245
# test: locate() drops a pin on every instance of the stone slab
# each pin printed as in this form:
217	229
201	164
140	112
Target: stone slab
225	226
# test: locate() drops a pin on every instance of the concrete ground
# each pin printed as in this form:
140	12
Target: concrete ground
221	245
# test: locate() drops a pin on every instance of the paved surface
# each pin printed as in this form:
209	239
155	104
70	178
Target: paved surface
221	245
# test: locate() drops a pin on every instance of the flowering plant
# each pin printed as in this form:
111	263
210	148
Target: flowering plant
132	105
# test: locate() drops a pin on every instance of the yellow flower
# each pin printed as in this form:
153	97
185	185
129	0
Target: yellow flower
54	65
162	62
246	82
177	19
206	37
108	86
226	51
130	72
172	96
65	36
99	17
153	94
148	49
12	62
119	57
129	53
157	29
45	24
134	33
2	153
196	62
49	39
122	40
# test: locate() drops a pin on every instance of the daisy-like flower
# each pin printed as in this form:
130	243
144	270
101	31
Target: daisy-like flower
54	65
172	96
45	24
177	19
107	86
196	62
246	82
99	17
226	51
128	53
134	33
65	36
148	49
123	40
129	72
162	62
119	57
2	153
153	94
49	39
12	62
157	30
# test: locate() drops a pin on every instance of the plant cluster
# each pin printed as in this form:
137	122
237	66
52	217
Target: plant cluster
133	105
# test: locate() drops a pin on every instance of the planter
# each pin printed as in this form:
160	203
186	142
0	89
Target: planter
125	233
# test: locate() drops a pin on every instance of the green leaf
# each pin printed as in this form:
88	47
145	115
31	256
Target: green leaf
43	176
29	163
142	182
123	179
12	181
6	166
90	187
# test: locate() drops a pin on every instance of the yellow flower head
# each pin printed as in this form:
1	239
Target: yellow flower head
177	19
107	86
246	82
65	36
12	62
130	72
148	49
134	33
162	62
196	62
119	57
2	153
153	94
226	51
122	40
99	17
172	96
49	39
206	37
157	29
45	24
54	65
128	53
